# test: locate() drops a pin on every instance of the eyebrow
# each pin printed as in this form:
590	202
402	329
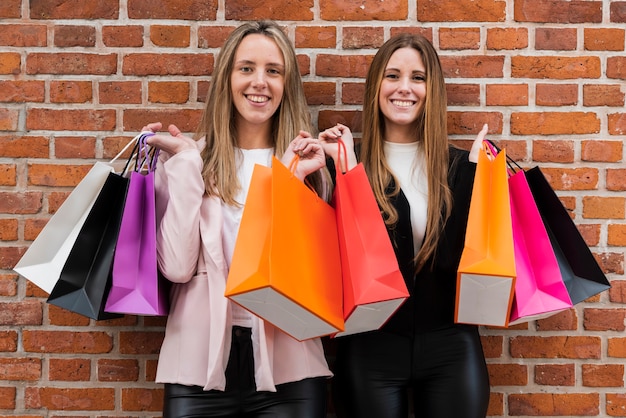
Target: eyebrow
248	62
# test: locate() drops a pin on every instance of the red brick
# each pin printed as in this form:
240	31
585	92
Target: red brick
213	36
8	119
615	404
616	179
470	123
8	342
304	64
316	37
69	369
603	375
114	144
572	347
62	317
173	9
602	151
74	147
352	93
554	404
87	342
557	11
170	36
8	229
572	178
8	175
118	370
553	151
555	374
58	175
74	35
22	91
269	9
563	39
507	38
120	36
554	123
187	119
320	93
24	146
463	94
11	9
9	256
590	233
461	11
611	262
563	321
459	38
70	399
472	66
416	30
616	235
71	119
342	65
362	37
10	63
142	399
616	67
618	11
603	95
508	374
23	35
350	118
617	123
28	312
167	64
598	207
140	342
604	39
168	91
555	67
119	92
616	347
507	95
604	319
365	10
68	91
20	202
7	394
20	369
71	63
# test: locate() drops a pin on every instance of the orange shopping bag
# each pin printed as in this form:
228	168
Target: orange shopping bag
486	272
373	286
286	267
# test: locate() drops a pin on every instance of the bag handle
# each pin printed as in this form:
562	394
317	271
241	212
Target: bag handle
512	166
341	149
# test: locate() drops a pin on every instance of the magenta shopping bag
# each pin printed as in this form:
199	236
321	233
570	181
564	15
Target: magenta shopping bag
539	289
136	285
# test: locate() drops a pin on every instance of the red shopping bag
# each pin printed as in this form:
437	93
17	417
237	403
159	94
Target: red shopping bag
286	267
373	286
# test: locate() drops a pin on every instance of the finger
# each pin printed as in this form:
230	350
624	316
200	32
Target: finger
174	131
152	127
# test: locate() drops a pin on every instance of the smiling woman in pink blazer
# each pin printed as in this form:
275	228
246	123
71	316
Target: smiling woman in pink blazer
218	360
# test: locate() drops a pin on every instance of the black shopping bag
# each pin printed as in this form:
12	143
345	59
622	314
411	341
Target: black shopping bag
85	279
582	275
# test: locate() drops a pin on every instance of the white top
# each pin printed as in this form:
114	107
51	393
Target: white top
407	162
246	160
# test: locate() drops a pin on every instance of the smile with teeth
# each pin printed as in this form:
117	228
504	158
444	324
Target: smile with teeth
403	103
257	99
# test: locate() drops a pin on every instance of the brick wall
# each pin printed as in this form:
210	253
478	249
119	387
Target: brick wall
78	78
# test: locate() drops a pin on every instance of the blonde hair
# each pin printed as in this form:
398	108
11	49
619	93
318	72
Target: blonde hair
217	122
431	130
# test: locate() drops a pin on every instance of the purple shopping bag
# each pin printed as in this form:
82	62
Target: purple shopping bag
539	289
136	285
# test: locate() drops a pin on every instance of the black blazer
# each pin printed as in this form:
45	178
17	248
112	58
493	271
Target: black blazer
433	288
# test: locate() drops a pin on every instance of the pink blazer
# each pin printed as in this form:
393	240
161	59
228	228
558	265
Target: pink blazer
198	332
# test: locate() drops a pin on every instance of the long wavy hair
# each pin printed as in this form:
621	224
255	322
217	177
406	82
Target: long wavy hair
217	122
431	130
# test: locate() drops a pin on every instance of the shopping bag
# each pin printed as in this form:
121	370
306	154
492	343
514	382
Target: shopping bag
581	273
486	272
539	287
285	266
136	286
373	286
85	278
41	264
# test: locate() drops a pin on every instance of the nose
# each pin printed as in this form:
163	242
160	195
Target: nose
259	80
405	84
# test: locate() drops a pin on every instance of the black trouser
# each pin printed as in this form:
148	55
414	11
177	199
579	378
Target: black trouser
444	371
302	399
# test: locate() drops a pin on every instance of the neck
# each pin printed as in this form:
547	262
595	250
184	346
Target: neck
251	136
401	134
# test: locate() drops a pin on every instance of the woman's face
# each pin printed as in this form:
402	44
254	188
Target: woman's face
403	89
257	80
